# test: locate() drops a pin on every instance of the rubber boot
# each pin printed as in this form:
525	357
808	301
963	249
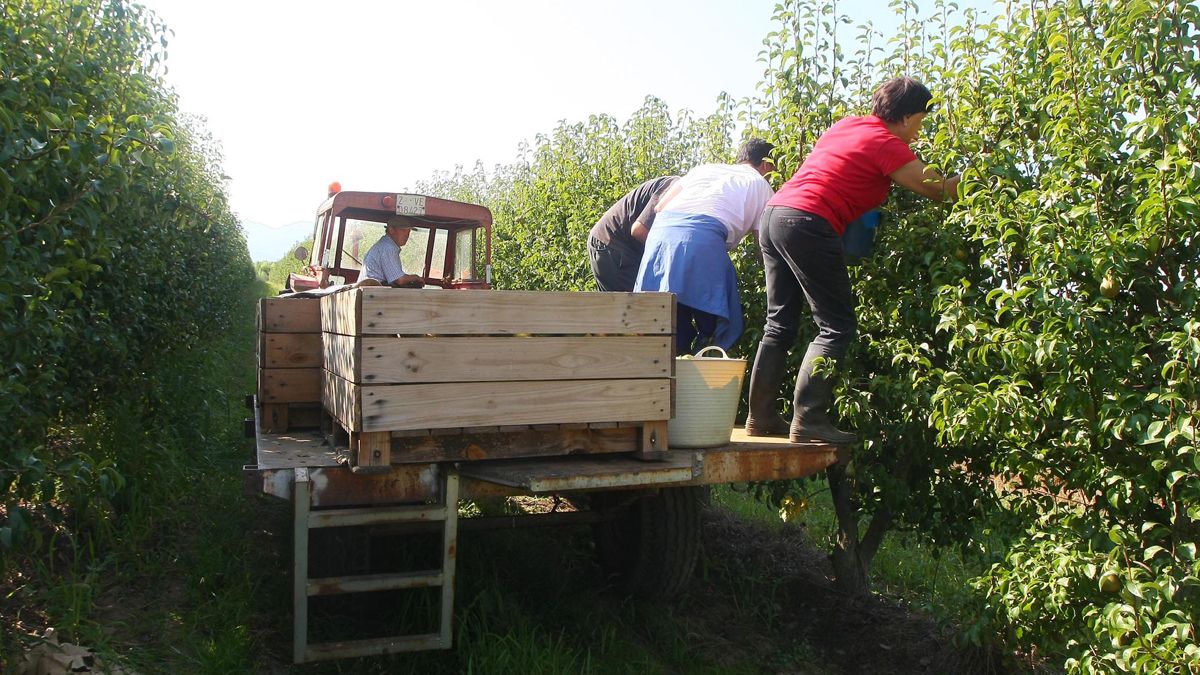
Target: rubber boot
811	422
770	365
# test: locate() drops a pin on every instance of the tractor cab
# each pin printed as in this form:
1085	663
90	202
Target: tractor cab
450	245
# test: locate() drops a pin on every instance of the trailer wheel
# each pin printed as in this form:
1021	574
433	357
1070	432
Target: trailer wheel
651	546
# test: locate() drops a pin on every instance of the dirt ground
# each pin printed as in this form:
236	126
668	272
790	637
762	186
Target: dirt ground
841	634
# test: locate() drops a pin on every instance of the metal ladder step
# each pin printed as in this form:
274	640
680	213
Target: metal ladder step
326	651
376	516
364	583
304	518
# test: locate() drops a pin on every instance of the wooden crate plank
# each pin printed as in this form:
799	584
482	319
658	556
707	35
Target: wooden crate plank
475	404
290	315
289	385
410	433
290	350
526	443
304	415
342	355
274	417
498	359
340	312
392	311
340	398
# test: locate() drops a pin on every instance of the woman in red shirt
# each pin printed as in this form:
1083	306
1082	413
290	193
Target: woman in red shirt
849	172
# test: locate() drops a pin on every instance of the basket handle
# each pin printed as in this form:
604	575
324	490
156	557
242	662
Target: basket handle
700	354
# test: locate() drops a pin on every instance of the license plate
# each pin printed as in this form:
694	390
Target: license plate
410	205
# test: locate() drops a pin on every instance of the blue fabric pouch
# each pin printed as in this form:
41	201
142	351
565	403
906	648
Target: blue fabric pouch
859	238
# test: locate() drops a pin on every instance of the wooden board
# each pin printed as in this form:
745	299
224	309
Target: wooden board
410	360
525	443
397	407
289	315
289	385
399	311
290	350
584	473
342	355
281	417
340	398
295	449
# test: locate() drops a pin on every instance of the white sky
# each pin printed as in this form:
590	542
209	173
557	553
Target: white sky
379	95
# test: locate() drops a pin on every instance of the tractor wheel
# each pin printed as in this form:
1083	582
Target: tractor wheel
651	546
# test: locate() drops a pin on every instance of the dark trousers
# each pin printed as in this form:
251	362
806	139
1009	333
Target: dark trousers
804	263
694	329
615	267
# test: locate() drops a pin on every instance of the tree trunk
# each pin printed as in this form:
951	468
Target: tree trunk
851	573
851	557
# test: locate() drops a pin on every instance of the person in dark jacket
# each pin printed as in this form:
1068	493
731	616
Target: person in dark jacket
618	239
850	171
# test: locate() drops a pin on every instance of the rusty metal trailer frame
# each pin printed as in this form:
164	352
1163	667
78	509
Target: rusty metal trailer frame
301	467
333	484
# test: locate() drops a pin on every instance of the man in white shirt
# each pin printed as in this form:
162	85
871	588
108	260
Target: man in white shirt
705	214
382	261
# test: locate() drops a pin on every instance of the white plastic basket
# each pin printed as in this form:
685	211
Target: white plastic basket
707	389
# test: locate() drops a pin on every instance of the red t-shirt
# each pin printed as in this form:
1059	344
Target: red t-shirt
847	173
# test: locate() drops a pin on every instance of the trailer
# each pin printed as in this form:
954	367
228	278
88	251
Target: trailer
387	408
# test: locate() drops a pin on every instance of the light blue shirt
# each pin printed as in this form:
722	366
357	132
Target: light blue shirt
382	261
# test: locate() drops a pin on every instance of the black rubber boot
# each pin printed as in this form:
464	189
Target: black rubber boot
770	365
811	422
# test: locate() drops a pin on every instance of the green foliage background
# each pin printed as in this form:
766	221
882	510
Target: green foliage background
119	251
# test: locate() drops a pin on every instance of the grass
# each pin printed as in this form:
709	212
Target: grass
186	574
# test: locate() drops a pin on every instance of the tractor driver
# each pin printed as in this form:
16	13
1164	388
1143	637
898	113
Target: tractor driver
382	261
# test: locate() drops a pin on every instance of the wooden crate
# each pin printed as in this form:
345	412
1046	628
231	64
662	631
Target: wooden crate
405	364
289	362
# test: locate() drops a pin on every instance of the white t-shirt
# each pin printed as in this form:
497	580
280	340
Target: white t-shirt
734	194
382	261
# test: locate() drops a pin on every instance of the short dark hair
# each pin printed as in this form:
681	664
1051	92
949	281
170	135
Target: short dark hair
754	151
898	98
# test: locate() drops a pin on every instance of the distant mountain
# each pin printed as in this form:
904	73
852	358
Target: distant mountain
270	243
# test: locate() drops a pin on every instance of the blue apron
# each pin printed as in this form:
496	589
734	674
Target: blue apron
685	255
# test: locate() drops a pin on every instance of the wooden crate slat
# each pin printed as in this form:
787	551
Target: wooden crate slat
289	315
397	407
391	311
342	355
413	360
289	385
290	350
340	398
340	312
476	404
